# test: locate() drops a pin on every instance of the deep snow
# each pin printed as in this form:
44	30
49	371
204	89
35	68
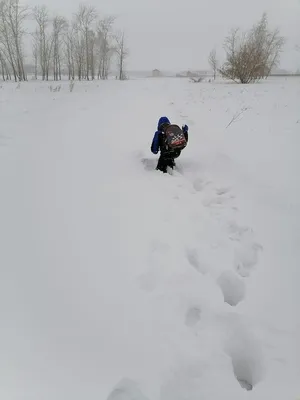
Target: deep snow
121	283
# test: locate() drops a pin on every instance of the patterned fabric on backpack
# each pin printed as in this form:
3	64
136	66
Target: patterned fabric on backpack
174	138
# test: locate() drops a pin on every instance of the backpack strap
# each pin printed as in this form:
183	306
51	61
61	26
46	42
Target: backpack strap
164	126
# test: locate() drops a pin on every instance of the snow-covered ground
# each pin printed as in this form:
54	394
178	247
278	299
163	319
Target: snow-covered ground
121	283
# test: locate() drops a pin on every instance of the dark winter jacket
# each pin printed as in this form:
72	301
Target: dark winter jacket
158	142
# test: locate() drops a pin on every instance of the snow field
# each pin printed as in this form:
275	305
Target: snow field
122	283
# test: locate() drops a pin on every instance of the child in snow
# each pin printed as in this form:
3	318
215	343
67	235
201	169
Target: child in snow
167	152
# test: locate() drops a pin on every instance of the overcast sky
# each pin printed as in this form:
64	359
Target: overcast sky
178	34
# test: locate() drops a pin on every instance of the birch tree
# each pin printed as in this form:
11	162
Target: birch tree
59	28
85	17
105	46
4	68
122	54
92	56
213	62
70	51
6	43
12	17
45	41
35	53
79	51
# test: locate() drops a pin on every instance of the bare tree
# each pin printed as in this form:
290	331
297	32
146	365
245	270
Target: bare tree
105	46
70	51
83	45
59	27
17	15
35	53
79	51
85	17
213	62
12	17
252	55
4	69
6	43
2	63
266	47
122	53
44	39
88	51
92	58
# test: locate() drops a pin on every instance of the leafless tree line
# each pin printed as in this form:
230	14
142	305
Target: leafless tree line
250	55
12	16
83	46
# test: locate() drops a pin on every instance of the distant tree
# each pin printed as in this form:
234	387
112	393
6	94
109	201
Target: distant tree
59	28
12	17
44	39
122	54
213	62
85	17
35	52
84	44
4	69
105	46
70	51
252	55
79	51
92	56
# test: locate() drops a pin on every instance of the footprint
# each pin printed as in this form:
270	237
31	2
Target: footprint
192	316
246	254
184	382
149	164
149	279
247	359
218	197
210	202
236	232
193	259
233	288
246	257
245	385
126	389
199	184
222	191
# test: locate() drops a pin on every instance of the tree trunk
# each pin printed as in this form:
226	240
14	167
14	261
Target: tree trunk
2	68
87	53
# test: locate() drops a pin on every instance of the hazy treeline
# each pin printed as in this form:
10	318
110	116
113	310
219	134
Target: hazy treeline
82	46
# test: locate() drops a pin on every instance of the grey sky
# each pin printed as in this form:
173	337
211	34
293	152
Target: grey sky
172	35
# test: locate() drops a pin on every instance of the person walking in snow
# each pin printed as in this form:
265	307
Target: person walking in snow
170	140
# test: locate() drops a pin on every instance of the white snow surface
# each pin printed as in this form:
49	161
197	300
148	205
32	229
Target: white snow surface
119	282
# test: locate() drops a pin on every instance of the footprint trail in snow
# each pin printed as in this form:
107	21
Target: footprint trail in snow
199	245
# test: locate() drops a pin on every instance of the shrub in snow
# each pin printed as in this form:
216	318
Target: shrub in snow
55	89
252	55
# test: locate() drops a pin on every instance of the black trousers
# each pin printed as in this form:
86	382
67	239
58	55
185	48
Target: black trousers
167	160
